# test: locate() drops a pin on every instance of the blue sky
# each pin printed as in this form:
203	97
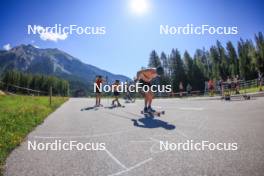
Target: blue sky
129	37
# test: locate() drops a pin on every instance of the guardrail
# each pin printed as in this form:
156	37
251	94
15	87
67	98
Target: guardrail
23	88
240	85
38	92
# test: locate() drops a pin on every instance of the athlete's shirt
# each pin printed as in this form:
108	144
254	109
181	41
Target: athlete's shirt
99	82
147	75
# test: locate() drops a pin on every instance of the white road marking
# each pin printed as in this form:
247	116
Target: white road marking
181	108
155	151
115	159
202	124
182	134
131	168
141	141
152	140
82	136
191	108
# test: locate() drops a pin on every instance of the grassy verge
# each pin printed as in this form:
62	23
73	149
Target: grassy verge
18	116
250	90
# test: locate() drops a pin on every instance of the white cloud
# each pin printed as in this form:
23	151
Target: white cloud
7	47
45	35
35	46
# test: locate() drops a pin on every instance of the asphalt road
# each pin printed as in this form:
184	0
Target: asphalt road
132	143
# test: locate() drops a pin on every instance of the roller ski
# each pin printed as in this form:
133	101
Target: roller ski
115	106
151	112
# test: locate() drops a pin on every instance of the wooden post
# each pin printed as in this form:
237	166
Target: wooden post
50	94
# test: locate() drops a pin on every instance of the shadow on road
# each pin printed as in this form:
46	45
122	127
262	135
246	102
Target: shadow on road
145	122
89	108
150	122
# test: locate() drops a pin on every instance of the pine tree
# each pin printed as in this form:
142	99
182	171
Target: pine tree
223	61
215	63
178	73
259	56
154	60
245	52
188	66
233	59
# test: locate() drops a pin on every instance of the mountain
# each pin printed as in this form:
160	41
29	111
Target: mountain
30	59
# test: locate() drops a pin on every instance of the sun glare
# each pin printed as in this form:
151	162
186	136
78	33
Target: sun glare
139	6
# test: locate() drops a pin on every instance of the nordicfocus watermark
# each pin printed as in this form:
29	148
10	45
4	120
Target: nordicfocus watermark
58	145
66	30
190	29
190	145
137	87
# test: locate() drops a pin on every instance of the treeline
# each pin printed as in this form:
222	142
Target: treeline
246	60
13	80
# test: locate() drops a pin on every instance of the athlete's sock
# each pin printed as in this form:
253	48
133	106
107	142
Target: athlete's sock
145	109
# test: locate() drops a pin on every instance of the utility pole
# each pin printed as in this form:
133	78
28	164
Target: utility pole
50	94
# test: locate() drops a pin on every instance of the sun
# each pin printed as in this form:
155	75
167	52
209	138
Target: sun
139	6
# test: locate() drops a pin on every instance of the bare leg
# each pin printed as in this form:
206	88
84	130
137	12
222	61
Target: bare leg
96	99
150	99
118	103
115	100
146	99
99	99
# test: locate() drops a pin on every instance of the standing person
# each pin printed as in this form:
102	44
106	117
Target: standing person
260	79
236	82
211	87
206	90
128	96
229	86
221	85
145	77
181	88
218	89
189	89
116	93
98	81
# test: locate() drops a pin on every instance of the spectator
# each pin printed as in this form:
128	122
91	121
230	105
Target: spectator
189	89
206	87
181	89
236	82
260	80
228	81
211	87
221	84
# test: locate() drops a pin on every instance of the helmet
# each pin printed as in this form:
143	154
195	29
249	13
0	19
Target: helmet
160	70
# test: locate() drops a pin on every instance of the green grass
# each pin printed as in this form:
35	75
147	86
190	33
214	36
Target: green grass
250	90
18	116
254	89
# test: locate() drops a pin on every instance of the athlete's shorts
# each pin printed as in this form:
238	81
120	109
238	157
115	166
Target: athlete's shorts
116	93
97	90
144	83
